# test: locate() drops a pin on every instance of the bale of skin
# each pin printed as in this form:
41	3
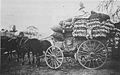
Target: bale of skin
101	16
58	36
57	28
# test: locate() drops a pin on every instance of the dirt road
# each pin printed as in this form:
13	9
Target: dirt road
14	68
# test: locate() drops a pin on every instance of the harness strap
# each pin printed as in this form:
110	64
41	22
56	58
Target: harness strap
20	42
26	40
10	39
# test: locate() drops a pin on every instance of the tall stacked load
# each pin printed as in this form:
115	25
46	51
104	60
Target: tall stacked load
92	28
80	28
101	29
58	35
64	29
95	26
67	29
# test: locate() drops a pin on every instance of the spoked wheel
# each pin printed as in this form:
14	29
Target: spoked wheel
92	54
54	57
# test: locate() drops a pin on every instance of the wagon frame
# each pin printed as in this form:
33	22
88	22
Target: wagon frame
97	55
91	52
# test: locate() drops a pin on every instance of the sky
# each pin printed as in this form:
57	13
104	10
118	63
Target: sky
42	14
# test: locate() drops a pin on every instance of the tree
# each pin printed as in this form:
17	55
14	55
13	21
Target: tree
32	31
111	8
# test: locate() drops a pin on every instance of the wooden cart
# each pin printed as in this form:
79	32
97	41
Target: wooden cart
85	39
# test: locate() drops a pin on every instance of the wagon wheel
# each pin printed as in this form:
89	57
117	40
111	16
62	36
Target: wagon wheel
54	57
92	54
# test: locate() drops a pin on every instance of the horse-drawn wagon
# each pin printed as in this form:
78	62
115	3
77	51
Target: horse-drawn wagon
82	38
85	39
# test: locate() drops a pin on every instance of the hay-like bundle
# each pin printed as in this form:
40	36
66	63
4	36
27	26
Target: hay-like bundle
58	36
57	28
97	28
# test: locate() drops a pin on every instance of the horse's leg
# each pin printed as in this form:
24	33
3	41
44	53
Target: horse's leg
15	55
38	60
33	57
11	54
35	60
19	59
29	58
8	56
18	56
23	58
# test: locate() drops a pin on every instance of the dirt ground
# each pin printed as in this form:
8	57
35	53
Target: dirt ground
112	67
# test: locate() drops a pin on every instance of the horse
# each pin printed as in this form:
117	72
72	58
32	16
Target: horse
32	45
101	16
37	47
8	47
21	51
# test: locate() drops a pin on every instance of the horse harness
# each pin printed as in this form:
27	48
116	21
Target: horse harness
23	41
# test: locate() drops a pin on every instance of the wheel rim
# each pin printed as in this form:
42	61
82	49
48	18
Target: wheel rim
92	54
54	57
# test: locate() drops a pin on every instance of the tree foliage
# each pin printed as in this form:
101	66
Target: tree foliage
111	8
